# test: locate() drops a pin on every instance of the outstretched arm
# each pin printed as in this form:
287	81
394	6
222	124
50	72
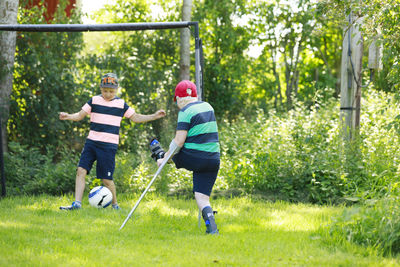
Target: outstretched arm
73	117
145	118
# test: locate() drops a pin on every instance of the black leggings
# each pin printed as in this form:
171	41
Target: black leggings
205	171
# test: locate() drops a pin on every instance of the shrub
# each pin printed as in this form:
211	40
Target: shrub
297	156
293	156
30	172
375	224
302	155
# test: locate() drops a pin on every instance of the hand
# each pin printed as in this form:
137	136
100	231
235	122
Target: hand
63	116
159	162
160	113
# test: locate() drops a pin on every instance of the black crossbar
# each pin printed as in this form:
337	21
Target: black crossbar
96	27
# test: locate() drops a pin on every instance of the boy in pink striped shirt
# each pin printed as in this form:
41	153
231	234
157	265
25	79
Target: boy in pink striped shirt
106	112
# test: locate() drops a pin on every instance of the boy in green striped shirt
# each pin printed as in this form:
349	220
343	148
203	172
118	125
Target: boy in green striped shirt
196	147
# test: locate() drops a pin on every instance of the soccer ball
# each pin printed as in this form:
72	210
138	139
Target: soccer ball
100	197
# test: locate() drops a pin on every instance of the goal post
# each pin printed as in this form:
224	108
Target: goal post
141	26
112	27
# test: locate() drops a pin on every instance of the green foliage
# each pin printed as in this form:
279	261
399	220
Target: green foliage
302	157
300	55
225	43
298	156
375	224
293	157
145	62
376	167
44	82
28	171
52	74
380	22
49	77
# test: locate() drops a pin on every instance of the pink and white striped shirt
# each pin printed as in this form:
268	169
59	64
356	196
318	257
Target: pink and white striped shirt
105	119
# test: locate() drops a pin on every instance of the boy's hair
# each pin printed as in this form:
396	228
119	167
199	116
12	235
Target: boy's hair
109	80
183	101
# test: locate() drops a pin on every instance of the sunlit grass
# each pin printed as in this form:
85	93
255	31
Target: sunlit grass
164	231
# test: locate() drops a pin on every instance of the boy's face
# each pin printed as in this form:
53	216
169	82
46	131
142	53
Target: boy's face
108	93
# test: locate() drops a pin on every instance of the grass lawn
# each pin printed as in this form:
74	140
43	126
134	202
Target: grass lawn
164	232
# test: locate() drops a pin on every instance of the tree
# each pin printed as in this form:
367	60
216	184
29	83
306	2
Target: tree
8	15
380	23
45	81
300	56
298	26
147	63
226	63
184	73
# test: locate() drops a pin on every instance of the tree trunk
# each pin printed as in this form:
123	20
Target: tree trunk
277	93
8	15
288	83
184	73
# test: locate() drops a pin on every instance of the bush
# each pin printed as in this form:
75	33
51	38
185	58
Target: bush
302	155
30	172
375	224
293	156
297	156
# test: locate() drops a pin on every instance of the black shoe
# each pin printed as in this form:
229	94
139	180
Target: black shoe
208	216
156	150
211	231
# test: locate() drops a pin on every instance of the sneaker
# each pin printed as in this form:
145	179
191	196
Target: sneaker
208	216
156	150
74	206
210	230
116	207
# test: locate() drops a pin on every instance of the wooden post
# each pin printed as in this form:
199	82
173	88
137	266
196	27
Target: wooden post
3	176
350	87
375	55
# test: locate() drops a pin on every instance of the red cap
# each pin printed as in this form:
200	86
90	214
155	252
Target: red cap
185	88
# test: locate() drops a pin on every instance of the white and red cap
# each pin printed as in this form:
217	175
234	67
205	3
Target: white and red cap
185	88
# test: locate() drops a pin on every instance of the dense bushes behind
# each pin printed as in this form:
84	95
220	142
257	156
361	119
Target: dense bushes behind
28	171
298	156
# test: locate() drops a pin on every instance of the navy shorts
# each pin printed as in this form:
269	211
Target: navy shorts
105	160
205	171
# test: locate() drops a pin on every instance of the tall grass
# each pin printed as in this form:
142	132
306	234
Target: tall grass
375	224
